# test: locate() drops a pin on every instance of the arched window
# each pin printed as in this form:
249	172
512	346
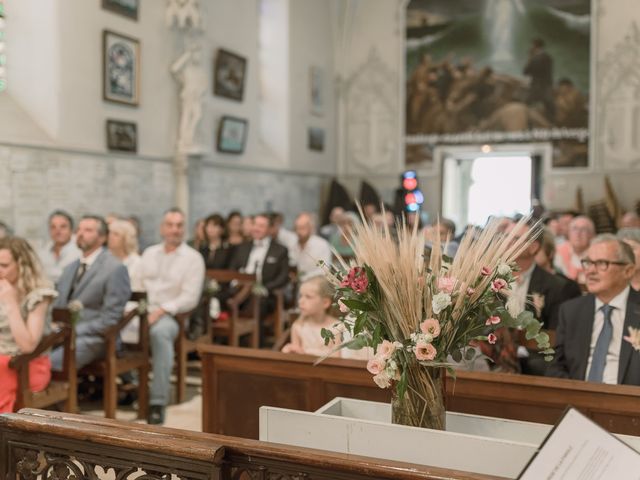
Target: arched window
3	51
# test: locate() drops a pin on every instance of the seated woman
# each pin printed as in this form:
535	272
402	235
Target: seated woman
233	232
25	296
123	244
215	250
315	299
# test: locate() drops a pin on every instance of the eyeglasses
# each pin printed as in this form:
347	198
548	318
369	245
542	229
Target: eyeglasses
601	265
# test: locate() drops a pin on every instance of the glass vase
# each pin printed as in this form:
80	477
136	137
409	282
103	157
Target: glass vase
423	403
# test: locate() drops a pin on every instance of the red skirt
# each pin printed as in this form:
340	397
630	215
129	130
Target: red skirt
39	378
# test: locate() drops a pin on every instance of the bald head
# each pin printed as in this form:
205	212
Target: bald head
304	226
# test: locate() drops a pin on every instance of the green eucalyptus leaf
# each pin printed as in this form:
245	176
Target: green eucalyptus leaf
353	304
456	355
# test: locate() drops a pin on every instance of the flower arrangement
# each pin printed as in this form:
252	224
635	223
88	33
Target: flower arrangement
419	311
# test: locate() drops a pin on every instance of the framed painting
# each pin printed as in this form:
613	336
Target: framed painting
229	75
122	136
127	8
232	135
121	68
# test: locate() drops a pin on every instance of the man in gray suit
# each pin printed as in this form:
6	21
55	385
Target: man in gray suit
101	283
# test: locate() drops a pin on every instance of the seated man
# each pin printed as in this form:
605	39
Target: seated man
100	282
309	248
593	341
265	258
62	249
173	276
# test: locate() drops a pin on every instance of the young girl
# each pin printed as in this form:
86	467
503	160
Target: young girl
315	299
25	296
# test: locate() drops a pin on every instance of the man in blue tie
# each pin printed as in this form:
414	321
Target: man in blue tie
590	342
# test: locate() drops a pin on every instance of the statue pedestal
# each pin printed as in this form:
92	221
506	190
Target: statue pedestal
472	443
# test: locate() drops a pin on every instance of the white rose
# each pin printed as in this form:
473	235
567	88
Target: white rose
440	302
504	269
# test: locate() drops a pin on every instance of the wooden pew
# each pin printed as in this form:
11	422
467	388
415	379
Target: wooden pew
63	386
40	444
236	382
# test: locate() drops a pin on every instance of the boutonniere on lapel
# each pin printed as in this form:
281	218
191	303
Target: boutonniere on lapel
75	308
634	338
271	260
537	299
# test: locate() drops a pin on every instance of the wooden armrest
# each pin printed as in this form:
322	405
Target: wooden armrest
241	295
183	317
45	344
112	332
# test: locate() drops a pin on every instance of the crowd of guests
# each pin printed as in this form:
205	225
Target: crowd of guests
581	286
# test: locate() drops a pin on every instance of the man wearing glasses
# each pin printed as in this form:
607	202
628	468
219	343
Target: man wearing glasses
589	338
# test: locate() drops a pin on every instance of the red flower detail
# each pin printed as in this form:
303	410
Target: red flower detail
492	339
356	279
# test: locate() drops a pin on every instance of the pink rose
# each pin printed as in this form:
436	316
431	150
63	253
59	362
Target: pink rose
386	349
446	284
492	339
376	365
493	320
470	291
430	326
425	351
485	271
498	284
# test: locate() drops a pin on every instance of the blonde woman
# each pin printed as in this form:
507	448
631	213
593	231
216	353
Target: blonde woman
123	244
25	296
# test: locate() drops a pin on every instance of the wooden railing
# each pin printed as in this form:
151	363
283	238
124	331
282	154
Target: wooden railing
37	444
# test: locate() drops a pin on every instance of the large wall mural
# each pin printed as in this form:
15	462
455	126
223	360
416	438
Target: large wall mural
496	71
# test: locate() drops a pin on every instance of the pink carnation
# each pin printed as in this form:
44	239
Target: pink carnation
430	326
356	279
493	320
492	339
498	284
485	271
425	351
376	365
446	284
386	349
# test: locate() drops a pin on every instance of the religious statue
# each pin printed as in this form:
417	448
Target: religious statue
183	13
193	81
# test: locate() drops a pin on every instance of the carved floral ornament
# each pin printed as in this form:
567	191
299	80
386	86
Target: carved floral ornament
618	105
372	115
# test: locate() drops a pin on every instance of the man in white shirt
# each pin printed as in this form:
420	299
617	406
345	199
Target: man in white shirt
173	276
280	234
62	249
309	248
593	339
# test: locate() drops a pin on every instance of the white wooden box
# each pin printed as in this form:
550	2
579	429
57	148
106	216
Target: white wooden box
491	446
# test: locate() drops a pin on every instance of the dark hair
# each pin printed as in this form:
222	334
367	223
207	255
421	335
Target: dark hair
63	214
449	224
565	81
266	215
103	228
233	213
216	219
275	217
